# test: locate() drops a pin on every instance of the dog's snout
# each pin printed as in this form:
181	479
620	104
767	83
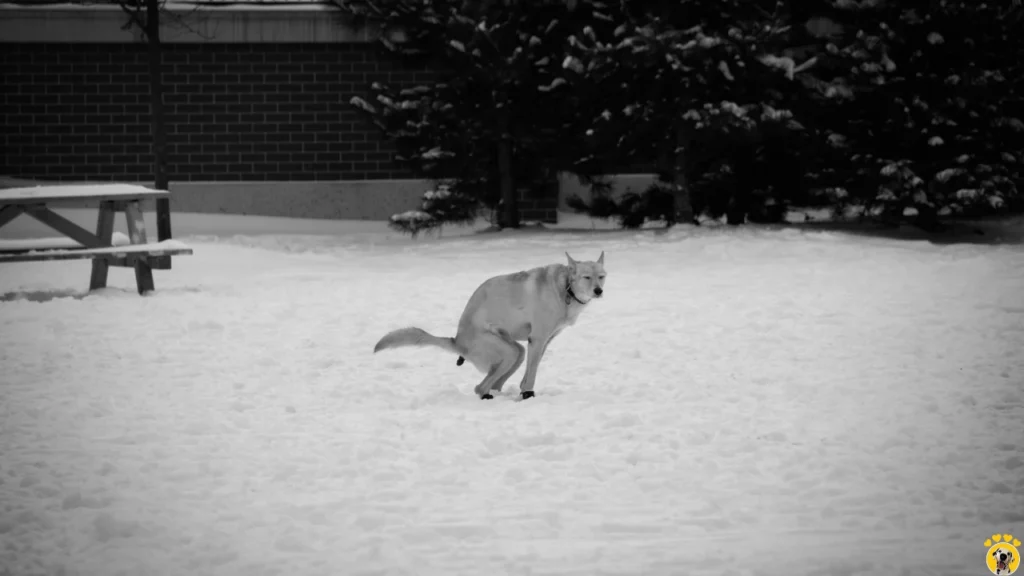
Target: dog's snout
1002	556
598	291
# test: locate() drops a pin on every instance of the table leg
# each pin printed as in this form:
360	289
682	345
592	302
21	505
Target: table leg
137	232
61	224
8	213
163	232
105	232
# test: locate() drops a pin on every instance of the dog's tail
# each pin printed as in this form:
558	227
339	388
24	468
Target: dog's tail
414	337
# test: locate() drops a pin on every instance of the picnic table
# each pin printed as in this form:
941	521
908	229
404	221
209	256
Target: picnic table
77	242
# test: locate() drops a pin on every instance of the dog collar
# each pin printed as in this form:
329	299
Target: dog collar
569	292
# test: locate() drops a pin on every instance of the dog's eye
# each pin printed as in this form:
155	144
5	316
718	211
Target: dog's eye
586	277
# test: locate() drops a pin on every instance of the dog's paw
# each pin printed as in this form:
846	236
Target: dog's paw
527	394
487	397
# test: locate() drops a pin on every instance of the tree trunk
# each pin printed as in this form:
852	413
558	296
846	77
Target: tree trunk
672	171
509	217
683	208
157	128
743	162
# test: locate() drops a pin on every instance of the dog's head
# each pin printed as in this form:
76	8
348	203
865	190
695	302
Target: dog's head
1003	557
587	278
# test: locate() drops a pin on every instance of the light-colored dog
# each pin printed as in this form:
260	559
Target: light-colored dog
534	305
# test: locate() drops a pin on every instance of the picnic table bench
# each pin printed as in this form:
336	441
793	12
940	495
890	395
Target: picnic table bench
79	243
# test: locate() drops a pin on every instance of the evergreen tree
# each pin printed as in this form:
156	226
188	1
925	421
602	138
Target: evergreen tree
921	106
500	118
878	107
693	87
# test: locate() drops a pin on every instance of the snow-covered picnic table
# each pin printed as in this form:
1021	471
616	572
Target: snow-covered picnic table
102	246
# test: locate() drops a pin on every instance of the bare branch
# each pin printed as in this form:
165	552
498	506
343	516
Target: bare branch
179	20
134	14
135	10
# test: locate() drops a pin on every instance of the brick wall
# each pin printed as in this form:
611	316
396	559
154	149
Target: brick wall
235	112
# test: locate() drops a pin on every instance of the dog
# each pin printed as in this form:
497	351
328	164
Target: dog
533	306
1004	558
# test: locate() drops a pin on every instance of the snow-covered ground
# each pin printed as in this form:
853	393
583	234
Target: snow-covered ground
742	401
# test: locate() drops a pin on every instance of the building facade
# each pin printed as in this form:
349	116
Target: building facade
257	107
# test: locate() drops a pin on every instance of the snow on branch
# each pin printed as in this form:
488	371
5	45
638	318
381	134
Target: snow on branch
573	63
786	64
554	84
436	153
366	106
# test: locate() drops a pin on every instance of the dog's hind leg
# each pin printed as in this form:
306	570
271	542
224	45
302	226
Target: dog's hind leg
510	339
519	362
501	355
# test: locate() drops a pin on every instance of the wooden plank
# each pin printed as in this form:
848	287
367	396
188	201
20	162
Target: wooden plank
105	233
128	261
119	261
163	219
8	213
53	243
143	276
136	224
160	262
125	254
156	262
151	248
78	192
28	244
64	226
163	232
137	232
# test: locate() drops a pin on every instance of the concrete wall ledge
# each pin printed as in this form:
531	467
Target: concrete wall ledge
68	23
348	199
328	200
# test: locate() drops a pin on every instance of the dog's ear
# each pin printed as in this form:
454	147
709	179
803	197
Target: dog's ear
600	259
572	263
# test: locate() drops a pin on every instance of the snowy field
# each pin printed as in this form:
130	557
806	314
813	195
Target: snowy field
741	402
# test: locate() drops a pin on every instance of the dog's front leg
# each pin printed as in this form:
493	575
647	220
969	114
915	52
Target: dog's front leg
535	352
